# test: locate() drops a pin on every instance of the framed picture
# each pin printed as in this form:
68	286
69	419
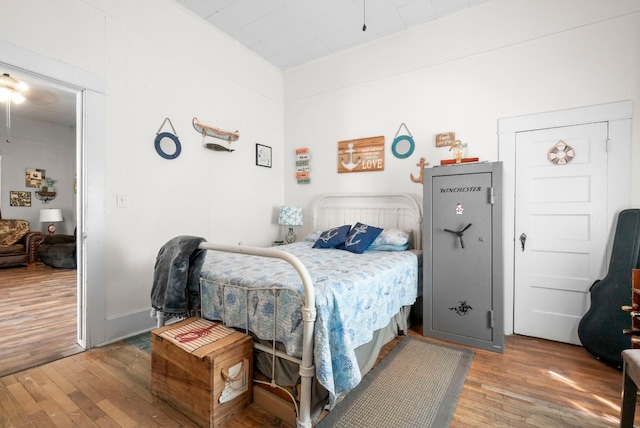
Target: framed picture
33	177
19	198
263	155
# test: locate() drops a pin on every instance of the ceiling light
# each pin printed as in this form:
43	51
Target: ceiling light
11	90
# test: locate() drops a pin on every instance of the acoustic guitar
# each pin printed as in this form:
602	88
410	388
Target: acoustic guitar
601	328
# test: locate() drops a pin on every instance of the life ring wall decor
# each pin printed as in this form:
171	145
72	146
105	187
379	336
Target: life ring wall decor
561	153
161	135
402	154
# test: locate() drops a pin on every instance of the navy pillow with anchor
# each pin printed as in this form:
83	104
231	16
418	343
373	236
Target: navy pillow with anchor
360	237
333	237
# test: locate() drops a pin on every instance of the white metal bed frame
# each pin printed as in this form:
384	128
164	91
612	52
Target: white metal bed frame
400	210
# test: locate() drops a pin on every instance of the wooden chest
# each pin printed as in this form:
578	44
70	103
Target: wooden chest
195	363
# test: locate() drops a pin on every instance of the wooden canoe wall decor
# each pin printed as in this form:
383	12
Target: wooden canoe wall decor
361	155
210	131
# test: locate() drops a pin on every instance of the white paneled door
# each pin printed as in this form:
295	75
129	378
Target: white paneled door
560	227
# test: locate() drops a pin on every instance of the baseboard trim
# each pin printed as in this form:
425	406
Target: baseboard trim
116	329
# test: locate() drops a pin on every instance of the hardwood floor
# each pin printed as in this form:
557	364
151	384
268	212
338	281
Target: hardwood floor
535	383
37	316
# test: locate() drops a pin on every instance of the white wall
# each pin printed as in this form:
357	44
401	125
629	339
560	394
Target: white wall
460	73
159	61
41	145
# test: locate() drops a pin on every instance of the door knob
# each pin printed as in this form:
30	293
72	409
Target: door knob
523	240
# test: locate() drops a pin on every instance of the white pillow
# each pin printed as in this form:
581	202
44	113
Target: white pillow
394	237
313	236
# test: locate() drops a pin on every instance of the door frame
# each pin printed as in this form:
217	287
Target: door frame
618	117
90	196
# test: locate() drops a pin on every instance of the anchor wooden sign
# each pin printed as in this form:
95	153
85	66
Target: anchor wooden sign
361	155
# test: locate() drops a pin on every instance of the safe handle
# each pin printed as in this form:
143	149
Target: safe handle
459	233
523	240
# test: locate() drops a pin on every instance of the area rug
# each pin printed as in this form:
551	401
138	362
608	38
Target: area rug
416	385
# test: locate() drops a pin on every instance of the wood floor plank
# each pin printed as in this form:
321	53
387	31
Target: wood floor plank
87	405
55	414
123	390
119	416
29	381
11	411
26	402
107	422
59	375
129	367
41	419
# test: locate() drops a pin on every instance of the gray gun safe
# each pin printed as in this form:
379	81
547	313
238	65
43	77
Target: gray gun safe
463	278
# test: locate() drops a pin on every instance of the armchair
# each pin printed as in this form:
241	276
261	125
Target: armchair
59	251
18	244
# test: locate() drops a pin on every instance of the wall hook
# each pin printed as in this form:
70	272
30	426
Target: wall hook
166	119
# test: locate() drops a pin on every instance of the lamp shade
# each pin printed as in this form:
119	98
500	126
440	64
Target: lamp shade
290	216
50	215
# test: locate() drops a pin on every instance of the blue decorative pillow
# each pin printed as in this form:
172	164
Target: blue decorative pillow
360	237
333	237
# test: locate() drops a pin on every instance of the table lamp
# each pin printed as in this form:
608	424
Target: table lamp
50	215
290	216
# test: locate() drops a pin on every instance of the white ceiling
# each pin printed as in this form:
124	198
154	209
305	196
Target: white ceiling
45	101
288	33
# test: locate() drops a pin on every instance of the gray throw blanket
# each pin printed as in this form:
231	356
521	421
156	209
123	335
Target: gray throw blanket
176	278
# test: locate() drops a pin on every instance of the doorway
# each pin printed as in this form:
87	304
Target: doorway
560	224
40	317
615	119
90	92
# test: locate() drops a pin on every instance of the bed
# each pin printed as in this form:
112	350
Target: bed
327	311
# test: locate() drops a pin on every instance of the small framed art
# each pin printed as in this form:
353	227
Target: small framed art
34	177
19	198
263	155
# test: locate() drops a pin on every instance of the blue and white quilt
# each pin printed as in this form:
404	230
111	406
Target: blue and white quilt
356	294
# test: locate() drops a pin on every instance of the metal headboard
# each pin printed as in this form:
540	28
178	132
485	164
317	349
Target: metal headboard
385	210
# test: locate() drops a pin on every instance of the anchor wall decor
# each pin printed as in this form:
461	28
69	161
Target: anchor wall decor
362	155
422	164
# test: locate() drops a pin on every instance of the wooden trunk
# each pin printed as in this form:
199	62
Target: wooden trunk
192	381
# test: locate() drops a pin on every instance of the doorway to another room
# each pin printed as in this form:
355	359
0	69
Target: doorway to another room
39	303
89	92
